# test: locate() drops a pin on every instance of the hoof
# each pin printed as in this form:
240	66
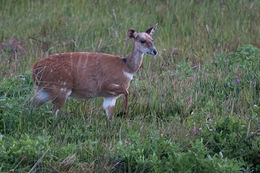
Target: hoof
120	114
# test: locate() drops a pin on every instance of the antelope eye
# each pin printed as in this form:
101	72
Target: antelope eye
143	41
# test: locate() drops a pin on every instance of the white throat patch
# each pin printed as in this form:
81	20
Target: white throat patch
128	75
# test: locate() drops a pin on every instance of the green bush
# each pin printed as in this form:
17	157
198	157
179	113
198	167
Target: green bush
25	150
158	154
228	136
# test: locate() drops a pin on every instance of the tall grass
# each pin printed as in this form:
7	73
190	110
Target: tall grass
192	108
199	29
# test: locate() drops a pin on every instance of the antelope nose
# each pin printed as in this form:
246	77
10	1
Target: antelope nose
154	52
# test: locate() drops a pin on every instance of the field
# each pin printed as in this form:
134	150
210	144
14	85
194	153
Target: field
194	107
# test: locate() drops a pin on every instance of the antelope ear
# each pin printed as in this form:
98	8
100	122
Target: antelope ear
151	30
132	33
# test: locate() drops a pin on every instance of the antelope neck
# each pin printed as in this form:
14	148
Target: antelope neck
134	60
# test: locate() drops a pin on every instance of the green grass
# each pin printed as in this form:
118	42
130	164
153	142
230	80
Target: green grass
191	111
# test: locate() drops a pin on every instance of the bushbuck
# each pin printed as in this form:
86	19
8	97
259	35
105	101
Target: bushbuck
89	74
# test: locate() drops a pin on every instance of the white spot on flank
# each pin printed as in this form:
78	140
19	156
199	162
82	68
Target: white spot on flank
115	85
128	75
51	70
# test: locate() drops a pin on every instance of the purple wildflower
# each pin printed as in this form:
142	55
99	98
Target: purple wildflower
237	80
228	83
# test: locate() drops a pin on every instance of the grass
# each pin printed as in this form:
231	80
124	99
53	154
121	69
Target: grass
192	108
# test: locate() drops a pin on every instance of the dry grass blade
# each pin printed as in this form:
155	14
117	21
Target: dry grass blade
38	161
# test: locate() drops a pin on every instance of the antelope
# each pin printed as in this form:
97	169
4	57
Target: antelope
90	74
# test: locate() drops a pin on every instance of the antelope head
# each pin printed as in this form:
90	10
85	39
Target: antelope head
143	41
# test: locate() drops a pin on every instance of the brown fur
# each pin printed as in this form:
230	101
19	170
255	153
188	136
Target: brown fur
87	75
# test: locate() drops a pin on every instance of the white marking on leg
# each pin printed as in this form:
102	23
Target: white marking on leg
68	93
109	102
128	75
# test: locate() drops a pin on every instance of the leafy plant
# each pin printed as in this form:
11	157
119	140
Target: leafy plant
157	154
228	136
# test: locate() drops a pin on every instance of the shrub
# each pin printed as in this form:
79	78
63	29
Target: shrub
25	150
158	154
228	136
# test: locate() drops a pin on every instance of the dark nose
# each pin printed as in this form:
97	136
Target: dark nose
154	52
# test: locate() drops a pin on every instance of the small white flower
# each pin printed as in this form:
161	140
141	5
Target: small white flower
255	106
192	113
210	129
22	77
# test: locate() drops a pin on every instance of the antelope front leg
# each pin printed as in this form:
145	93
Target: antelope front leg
109	106
125	104
125	101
